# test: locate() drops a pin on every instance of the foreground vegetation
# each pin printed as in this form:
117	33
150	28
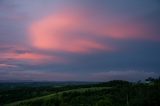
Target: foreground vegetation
113	93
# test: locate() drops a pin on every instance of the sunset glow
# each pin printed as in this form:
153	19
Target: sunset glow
76	39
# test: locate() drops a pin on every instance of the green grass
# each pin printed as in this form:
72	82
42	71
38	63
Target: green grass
45	99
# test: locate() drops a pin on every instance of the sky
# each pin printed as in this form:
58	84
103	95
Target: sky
79	40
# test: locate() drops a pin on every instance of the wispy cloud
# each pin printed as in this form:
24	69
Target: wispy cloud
36	75
7	66
24	54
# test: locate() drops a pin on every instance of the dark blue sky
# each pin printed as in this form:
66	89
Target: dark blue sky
80	40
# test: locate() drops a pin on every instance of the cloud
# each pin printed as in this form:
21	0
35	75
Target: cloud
64	32
76	31
89	35
122	75
27	55
7	66
36	75
68	76
34	57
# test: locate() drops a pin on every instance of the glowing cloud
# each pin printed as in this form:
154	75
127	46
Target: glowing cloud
31	57
17	53
59	32
65	31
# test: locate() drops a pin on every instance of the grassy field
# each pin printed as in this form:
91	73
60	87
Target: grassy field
112	93
45	99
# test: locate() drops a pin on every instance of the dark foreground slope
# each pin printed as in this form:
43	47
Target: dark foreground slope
114	93
17	91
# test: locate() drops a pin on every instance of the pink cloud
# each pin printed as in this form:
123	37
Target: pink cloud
33	58
7	66
27	55
54	33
